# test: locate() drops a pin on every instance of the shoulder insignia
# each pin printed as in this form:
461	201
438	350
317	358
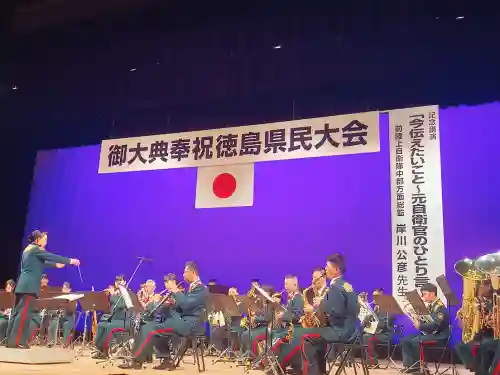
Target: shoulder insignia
347	287
440	316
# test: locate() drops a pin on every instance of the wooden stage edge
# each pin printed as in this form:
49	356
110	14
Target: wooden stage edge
86	365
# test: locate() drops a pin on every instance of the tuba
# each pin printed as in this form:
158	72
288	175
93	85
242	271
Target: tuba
469	312
489	264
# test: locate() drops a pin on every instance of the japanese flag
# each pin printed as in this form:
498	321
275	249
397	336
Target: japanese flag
225	186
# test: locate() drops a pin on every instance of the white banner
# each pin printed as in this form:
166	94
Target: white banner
416	198
323	136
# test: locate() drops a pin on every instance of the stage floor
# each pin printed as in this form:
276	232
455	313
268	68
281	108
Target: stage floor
88	366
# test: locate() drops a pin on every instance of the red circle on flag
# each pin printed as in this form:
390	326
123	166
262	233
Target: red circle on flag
224	185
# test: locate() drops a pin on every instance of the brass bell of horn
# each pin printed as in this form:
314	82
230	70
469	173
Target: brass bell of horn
468	269
489	263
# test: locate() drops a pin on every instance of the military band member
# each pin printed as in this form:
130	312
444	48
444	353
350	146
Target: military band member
10	285
294	303
258	323
64	320
119	321
306	350
146	293
182	315
383	335
437	331
33	262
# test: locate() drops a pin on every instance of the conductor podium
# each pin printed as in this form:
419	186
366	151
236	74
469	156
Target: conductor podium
38	355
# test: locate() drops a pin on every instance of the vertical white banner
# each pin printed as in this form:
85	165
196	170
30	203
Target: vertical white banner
416	198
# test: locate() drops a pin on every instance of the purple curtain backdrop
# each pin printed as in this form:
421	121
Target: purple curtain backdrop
303	211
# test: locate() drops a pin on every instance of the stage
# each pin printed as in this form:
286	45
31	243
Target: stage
86	365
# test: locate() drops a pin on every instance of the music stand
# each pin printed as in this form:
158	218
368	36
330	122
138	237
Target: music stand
92	301
388	305
7	301
218	289
123	348
228	306
268	356
417	303
451	300
249	305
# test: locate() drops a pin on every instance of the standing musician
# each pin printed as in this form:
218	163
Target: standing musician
476	332
384	333
10	285
306	351
63	318
33	262
438	330
146	292
183	317
119	321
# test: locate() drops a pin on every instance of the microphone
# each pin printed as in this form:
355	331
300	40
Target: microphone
145	259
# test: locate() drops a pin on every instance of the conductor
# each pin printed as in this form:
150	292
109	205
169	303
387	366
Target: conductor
33	262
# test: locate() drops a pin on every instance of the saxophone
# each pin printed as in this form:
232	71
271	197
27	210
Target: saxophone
367	315
310	320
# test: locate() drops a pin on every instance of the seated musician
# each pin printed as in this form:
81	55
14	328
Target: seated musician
437	331
294	303
117	321
306	350
182	315
63	319
383	335
146	293
255	325
469	347
10	285
41	318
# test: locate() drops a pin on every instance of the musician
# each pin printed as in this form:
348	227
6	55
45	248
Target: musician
294	303
340	306
258	322
10	285
33	262
62	319
118	321
182	315
437	331
472	353
383	334
146	293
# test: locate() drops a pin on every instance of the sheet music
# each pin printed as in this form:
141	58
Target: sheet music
126	297
69	297
263	293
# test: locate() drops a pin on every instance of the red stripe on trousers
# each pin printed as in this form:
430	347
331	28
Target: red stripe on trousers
255	340
149	336
497	369
68	340
110	336
304	364
474	350
290	356
23	318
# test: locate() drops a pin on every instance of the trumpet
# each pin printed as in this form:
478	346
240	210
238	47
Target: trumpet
278	295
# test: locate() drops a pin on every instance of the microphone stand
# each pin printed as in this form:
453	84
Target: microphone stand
113	312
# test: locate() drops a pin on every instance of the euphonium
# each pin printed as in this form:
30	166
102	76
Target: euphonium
469	312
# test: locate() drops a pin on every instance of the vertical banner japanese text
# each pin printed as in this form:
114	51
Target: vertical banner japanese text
416	198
